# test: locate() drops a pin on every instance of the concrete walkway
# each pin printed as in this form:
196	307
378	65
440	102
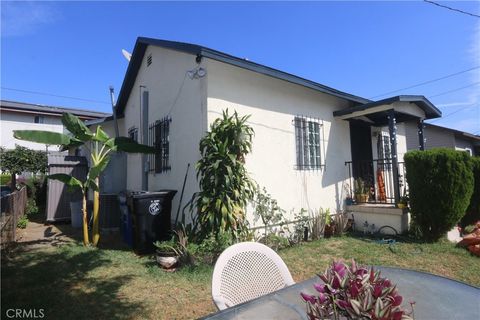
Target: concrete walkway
38	234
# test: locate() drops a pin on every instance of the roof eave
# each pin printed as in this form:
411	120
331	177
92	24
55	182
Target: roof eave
142	43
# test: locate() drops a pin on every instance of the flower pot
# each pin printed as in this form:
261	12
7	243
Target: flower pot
361	198
167	260
401	205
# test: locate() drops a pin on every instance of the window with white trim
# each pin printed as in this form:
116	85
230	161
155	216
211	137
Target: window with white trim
39	119
308	143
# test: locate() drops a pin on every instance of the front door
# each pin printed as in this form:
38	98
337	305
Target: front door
361	148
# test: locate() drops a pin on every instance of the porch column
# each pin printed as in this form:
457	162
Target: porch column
392	128
421	138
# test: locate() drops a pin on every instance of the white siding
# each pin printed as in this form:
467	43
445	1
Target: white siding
272	104
23	121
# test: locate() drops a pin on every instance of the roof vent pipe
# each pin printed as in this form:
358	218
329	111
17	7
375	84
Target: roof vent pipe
114	111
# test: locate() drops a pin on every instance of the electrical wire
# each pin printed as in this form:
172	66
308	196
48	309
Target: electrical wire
178	94
54	95
453	9
454	90
426	82
452	113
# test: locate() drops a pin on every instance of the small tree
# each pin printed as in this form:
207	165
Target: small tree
225	186
21	159
100	149
440	186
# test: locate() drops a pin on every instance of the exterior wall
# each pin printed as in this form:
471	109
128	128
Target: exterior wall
464	145
437	137
272	104
411	134
171	92
23	121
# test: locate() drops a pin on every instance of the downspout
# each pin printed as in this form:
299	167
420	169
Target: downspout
144	131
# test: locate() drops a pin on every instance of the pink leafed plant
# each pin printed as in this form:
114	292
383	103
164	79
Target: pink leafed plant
355	292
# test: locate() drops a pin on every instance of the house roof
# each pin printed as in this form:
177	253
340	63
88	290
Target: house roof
458	133
23	107
200	51
423	103
98	121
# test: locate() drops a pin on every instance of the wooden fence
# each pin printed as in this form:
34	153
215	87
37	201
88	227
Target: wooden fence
13	208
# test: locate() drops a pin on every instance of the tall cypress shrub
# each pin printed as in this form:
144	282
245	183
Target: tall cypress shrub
440	187
473	211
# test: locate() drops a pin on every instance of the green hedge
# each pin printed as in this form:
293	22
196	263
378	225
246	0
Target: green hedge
5	179
440	187
473	211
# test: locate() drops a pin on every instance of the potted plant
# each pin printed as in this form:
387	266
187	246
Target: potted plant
361	191
354	292
167	254
403	202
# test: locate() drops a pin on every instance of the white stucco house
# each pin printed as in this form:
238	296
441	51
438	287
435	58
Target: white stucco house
26	116
310	140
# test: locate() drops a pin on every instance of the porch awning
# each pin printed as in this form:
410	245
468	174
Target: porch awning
406	107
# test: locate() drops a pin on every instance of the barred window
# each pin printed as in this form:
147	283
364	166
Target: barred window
308	143
383	150
159	137
133	133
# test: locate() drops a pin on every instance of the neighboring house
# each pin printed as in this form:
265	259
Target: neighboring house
305	132
27	116
437	136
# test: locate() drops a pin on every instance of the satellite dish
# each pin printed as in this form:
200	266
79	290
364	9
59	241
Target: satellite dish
126	54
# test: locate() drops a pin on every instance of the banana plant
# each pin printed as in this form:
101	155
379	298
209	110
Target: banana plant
100	147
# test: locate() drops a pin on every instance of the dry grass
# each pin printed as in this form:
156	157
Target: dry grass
78	283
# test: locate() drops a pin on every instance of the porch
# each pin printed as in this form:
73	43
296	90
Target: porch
376	175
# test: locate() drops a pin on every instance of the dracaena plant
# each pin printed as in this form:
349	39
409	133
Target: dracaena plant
354	292
99	145
225	186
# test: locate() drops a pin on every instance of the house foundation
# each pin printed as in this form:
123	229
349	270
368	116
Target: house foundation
379	215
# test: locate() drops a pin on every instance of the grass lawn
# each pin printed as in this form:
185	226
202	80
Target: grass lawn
72	282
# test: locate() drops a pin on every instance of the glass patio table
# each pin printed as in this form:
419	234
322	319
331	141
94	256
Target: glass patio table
436	298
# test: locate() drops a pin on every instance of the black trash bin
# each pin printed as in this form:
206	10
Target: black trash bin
151	220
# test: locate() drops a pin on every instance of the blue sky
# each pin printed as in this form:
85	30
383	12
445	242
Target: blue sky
364	48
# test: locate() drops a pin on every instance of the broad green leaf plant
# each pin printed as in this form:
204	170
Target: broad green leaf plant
100	147
225	186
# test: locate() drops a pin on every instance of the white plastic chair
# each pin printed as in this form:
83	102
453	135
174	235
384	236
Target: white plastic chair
246	271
